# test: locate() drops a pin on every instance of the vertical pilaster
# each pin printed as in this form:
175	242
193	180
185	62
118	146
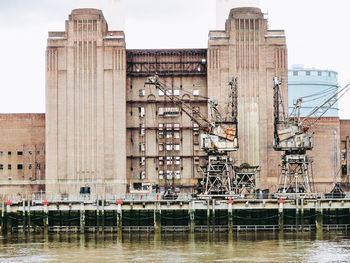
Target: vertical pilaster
191	213
319	217
119	218
280	217
230	216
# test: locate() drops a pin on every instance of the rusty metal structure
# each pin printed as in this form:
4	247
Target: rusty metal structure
218	139
294	137
167	62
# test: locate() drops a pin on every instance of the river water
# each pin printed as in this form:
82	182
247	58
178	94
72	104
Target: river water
179	247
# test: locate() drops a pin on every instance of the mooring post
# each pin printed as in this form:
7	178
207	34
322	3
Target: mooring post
8	219
319	217
230	217
297	214
302	214
119	217
280	216
191	212
3	217
157	218
103	216
98	214
82	218
213	215
46	219
208	214
29	222
24	223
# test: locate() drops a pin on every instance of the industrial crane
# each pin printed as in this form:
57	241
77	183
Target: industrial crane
218	139
293	136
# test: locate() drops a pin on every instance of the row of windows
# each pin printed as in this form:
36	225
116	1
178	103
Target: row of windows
169	174
20	166
174	92
168	160
20	153
313	73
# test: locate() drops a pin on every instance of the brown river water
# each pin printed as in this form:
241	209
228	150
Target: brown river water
179	247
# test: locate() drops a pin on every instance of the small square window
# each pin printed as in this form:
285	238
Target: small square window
30	153
142	92
195	92
19	153
9	153
9	166
295	73
141	112
1	167
176	92
38	166
37	152
19	166
30	166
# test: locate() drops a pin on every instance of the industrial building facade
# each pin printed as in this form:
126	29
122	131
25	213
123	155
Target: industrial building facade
109	132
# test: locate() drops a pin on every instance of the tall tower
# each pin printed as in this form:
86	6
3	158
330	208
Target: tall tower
85	106
223	8
248	50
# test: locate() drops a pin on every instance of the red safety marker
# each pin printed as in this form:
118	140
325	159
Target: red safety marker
157	197
230	201
119	202
141	197
45	202
280	201
8	202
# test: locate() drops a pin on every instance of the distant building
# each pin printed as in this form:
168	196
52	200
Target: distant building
314	86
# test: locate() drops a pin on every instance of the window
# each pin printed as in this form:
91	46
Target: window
295	73
9	166
142	175
169	126
30	166
142	161
169	147
160	147
169	160
30	153
142	129
169	175
319	73
161	160
169	112
176	92
1	153
19	166
343	156
169	135
177	160
9	153
161	175
19	153
177	174
196	160
141	112
38	166
37	152
142	92
307	73
176	135
177	147
142	147
1	167
196	92
176	126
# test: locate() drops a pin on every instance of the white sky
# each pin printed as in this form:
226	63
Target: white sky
317	36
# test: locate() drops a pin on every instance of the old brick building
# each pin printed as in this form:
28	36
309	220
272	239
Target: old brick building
107	130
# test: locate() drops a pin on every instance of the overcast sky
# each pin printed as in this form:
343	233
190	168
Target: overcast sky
317	36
